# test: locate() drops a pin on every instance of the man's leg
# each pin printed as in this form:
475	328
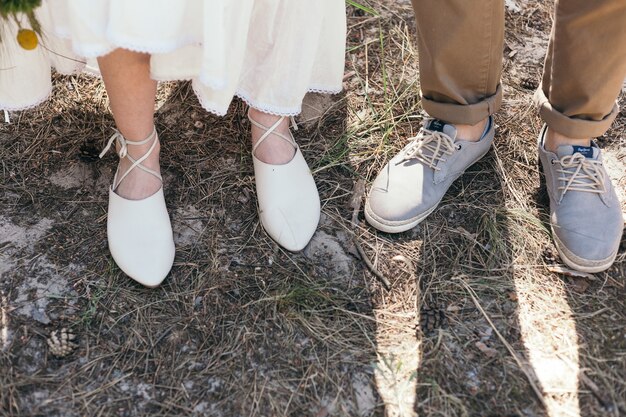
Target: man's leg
460	59
583	74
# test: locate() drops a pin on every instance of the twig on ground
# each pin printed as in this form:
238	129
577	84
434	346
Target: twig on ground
355	204
531	378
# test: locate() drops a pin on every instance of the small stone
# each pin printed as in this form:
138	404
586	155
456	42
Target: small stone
41	316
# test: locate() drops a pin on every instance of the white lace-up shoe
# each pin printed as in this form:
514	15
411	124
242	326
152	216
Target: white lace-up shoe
289	204
139	231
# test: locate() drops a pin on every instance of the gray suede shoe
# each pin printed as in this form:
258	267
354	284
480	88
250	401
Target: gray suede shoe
413	183
585	214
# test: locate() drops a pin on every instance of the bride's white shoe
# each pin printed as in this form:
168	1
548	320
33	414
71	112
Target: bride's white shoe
289	204
139	231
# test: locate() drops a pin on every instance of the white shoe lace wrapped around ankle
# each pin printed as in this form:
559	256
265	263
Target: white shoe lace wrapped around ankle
123	153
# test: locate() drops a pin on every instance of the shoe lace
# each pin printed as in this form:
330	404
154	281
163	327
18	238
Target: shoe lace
271	130
429	147
123	144
578	173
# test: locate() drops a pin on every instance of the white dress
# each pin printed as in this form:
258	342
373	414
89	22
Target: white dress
267	52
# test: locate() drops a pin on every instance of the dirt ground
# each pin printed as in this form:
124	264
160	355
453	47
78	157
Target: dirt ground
476	323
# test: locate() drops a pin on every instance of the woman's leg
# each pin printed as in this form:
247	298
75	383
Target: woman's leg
132	94
273	150
137	211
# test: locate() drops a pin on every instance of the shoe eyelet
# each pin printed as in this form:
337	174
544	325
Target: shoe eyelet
458	147
552	161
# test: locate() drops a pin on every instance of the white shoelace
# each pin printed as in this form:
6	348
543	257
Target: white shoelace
580	174
123	153
429	147
272	131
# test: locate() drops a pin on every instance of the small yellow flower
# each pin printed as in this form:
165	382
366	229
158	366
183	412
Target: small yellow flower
27	39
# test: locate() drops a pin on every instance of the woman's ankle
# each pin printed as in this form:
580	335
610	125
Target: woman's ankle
273	150
139	184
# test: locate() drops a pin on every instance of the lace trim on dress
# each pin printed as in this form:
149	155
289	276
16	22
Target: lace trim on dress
265	108
210	107
37	102
282	111
325	90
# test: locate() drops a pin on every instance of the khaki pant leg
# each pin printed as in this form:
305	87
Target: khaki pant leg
460	46
585	67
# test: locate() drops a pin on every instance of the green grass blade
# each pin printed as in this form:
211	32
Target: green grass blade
359	6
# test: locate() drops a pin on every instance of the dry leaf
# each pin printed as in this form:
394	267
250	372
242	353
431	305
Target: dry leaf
557	269
489	352
579	285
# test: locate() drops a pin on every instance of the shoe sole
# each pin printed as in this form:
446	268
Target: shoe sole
580	264
399	226
396	227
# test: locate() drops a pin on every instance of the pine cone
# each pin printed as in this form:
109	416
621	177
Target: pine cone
432	317
61	342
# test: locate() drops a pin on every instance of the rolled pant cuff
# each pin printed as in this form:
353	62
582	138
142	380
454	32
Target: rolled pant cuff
468	114
571	126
